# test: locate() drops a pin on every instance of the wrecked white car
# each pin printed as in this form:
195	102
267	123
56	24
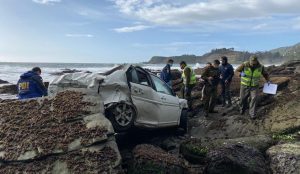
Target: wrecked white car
131	96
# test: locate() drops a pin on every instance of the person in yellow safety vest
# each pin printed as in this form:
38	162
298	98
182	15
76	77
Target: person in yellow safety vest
189	82
251	73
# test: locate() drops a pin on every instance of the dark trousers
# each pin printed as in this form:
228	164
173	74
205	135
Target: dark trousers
187	94
209	97
245	93
226	93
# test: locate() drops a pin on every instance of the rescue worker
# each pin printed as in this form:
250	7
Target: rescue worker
189	82
165	74
227	73
208	64
250	72
211	76
30	84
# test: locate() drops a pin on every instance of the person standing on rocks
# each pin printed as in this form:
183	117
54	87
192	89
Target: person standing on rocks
30	84
250	72
165	74
189	82
211	76
227	73
208	64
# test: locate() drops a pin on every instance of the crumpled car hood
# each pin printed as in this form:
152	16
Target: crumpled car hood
111	87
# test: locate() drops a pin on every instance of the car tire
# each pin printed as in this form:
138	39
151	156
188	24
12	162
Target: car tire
121	116
184	122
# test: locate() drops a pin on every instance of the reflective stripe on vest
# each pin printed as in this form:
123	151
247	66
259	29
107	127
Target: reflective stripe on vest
251	78
193	79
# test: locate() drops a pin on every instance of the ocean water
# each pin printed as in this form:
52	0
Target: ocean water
11	71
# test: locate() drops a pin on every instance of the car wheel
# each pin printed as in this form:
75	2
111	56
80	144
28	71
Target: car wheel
122	116
184	123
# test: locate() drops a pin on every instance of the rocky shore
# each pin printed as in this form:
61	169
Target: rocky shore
68	133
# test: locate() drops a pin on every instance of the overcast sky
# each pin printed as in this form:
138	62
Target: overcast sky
118	31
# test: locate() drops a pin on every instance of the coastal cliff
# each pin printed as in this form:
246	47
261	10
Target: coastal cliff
274	56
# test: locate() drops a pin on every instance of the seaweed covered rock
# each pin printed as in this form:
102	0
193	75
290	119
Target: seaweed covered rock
66	132
150	159
194	151
285	158
236	159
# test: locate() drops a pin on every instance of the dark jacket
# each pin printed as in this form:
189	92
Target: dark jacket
211	72
165	74
227	72
30	85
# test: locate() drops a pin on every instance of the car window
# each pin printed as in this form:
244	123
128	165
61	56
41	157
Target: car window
137	76
161	86
143	78
132	76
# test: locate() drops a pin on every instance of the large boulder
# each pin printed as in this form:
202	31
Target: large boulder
285	158
8	89
148	159
236	159
260	142
3	82
65	133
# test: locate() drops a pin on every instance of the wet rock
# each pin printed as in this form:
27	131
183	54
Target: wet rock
8	89
65	71
282	82
285	158
292	63
260	142
194	151
297	70
151	159
3	82
236	159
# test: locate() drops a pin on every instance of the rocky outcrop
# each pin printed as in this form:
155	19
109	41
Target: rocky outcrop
66	133
67	71
260	142
3	82
236	159
151	159
8	89
285	158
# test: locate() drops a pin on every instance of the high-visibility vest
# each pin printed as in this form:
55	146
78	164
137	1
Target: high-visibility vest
193	79
251	78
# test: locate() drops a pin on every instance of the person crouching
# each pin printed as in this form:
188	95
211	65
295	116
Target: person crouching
30	84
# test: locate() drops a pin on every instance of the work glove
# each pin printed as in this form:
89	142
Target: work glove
243	74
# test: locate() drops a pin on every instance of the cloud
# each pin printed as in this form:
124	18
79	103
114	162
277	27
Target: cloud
46	1
79	35
131	29
296	24
167	12
90	13
259	26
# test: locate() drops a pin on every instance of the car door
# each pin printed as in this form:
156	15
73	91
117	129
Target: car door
170	110
144	98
